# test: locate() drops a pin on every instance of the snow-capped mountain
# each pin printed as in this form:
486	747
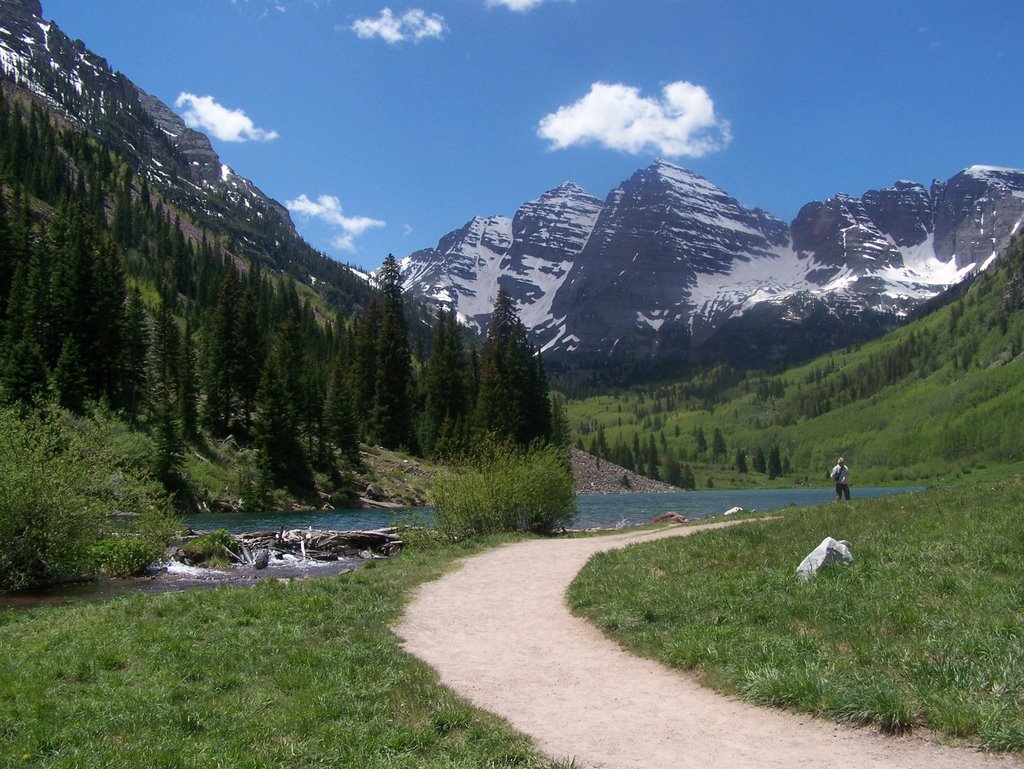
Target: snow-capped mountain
529	255
36	56
39	63
669	266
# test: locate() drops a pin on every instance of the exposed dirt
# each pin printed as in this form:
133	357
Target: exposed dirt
499	633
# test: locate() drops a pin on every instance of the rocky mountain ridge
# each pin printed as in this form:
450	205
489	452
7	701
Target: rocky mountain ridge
78	87
669	266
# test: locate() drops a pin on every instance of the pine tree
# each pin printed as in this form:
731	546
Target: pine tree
446	404
69	379
741	461
718	448
188	416
774	462
392	412
339	419
23	376
276	428
702	442
132	367
511	390
560	431
759	463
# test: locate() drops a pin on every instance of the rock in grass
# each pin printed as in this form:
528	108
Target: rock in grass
829	551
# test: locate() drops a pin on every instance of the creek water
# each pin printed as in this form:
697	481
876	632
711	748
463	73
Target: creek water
594	511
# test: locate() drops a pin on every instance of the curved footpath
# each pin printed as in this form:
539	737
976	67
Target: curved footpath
499	633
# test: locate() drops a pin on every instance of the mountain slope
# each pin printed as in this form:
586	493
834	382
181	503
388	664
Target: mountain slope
670	267
79	87
941	395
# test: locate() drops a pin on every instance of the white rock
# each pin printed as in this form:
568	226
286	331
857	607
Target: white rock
733	511
829	551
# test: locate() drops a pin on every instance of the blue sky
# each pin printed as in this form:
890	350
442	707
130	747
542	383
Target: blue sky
384	126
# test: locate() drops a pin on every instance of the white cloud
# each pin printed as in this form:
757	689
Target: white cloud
230	125
519	6
681	123
327	208
415	24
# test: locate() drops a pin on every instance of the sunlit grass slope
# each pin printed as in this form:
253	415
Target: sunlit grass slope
938	398
925	629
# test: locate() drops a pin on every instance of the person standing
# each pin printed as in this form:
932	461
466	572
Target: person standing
841	475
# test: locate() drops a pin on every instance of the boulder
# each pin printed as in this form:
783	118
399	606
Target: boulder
262	559
829	551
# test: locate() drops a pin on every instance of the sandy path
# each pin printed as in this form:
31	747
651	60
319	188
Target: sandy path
499	633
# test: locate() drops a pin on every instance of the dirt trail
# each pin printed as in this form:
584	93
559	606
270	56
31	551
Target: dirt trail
499	633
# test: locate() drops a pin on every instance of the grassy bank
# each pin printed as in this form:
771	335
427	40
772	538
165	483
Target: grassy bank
926	629
304	674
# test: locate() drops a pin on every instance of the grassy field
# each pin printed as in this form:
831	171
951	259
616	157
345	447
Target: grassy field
304	674
926	629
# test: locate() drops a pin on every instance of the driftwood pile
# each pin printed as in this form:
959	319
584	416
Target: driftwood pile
323	545
258	548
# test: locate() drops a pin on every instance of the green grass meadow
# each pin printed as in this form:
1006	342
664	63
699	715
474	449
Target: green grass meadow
304	674
925	630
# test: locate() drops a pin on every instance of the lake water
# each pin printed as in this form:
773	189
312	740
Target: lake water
594	510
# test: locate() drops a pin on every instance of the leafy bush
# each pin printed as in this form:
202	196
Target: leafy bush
125	556
60	479
504	488
213	549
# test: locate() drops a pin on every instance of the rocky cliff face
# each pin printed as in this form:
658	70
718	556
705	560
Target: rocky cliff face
669	266
527	255
80	86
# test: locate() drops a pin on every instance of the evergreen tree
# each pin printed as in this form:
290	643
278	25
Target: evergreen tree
220	356
24	374
741	461
446	403
392	411
339	420
364	365
718	448
187	416
284	463
510	389
134	348
69	380
701	441
759	463
774	462
560	431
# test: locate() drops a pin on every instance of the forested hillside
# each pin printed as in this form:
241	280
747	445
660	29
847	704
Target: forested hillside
241	382
942	395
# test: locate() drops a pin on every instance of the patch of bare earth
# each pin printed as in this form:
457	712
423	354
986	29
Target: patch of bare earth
499	633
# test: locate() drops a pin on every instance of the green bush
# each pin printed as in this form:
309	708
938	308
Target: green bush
214	549
61	478
125	556
504	488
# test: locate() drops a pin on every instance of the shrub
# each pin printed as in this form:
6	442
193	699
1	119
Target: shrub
503	488
213	549
125	556
60	478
